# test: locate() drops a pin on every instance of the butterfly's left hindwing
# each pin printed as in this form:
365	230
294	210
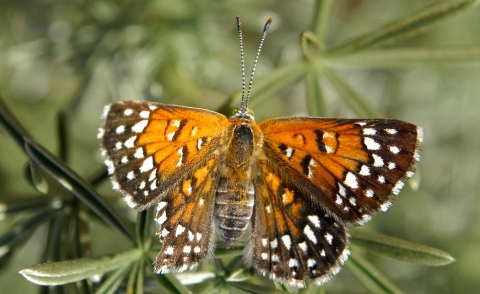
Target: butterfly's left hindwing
350	166
293	239
185	218
150	146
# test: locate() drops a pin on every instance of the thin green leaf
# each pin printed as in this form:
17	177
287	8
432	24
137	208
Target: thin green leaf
354	100
311	46
24	230
312	289
75	184
370	277
111	284
315	100
62	124
400	249
168	282
63	272
246	287
12	125
321	18
409	57
267	85
411	26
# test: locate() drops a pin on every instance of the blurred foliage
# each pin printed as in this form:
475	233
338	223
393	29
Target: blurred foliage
62	61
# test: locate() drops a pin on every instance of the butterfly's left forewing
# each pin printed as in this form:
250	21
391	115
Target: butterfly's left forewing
150	147
351	167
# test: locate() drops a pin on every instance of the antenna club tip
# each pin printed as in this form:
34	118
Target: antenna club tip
270	19
238	16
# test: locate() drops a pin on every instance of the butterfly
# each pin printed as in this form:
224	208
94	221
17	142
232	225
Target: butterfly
293	184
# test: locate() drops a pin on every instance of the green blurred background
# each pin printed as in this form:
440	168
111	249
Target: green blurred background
77	56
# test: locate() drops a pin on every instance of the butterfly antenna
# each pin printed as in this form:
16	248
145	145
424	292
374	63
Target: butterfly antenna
265	30
240	37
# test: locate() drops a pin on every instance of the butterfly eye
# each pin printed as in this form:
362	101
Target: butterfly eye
233	111
250	111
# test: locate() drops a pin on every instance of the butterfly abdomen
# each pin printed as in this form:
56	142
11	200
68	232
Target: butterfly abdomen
233	210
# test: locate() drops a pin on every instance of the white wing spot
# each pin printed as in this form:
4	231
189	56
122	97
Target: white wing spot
398	186
268	208
303	246
120	129
165	232
322	253
139	153
274	243
196	249
341	190
289	152
199	143
118	145
416	156
145	114
161	205
179	230
369	131
169	250
391	131
369	193
176	123
124	160
130	143
310	234
315	220
394	149
384	207
377	160
371	144
147	165
329	238
190	236
351	181
353	201
364	171
110	167
187	249
152	107
162	218
199	236
361	123
310	173
419	134
170	136
292	262
264	242
128	112
264	255
391	165
130	175
201	201
287	241
409	174
180	152
381	179
311	262
140	126
142	185
153	176
339	200
153	186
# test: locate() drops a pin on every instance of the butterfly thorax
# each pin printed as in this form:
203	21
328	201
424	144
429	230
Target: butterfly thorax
234	197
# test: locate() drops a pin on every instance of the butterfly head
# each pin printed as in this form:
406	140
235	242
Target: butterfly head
242	113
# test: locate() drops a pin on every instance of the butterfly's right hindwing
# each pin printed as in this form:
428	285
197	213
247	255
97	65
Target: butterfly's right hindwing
150	146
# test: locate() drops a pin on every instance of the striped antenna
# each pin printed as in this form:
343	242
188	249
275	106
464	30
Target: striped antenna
244	103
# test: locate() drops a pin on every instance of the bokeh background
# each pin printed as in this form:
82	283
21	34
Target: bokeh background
77	56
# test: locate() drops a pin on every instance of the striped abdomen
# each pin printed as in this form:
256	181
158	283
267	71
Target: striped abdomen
233	210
